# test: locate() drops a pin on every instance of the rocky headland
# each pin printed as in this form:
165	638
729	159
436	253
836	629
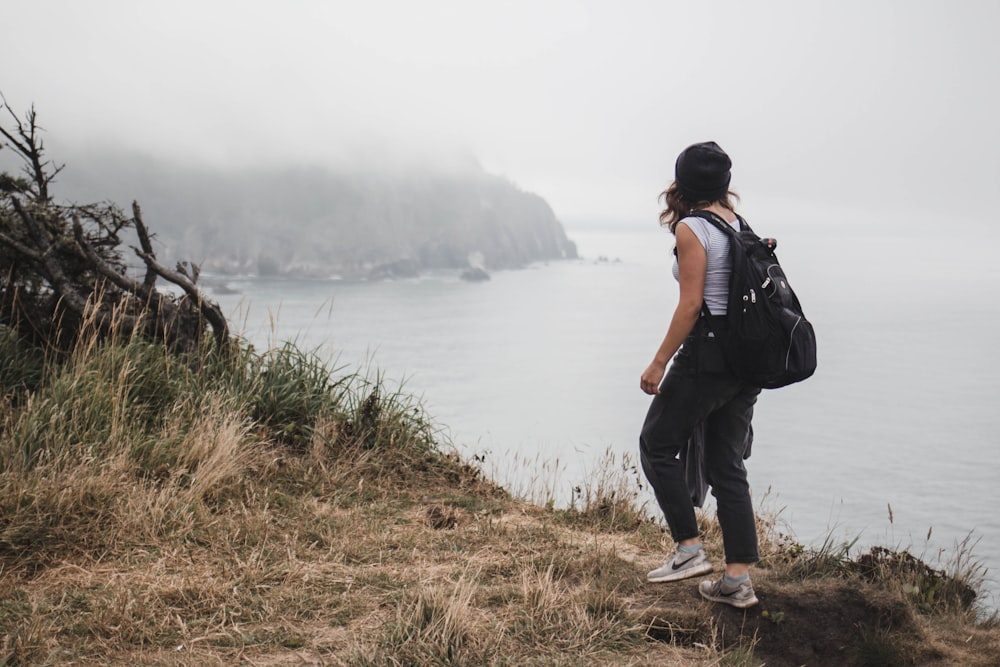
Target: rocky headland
322	221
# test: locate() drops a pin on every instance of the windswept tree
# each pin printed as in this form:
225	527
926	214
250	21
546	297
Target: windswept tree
63	269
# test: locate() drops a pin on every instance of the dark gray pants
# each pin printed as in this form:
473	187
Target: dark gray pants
698	388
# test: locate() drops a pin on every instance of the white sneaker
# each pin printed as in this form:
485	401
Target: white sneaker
741	597
681	566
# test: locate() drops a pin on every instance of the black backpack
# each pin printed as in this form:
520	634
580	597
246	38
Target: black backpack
769	342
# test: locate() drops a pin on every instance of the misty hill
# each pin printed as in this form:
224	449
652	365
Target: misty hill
320	221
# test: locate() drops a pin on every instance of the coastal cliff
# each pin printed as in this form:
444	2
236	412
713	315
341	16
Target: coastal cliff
321	221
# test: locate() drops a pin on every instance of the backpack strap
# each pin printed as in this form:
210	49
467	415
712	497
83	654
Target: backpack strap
716	221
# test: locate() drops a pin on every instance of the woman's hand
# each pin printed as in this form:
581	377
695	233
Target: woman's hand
652	377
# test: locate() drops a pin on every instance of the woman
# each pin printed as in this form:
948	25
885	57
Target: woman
699	391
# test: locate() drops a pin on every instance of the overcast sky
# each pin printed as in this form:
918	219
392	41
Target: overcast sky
586	103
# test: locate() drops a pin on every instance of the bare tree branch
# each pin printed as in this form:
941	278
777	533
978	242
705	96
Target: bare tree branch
32	227
31	149
102	267
20	247
145	242
21	148
209	309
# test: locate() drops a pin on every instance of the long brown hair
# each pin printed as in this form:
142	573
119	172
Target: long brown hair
677	207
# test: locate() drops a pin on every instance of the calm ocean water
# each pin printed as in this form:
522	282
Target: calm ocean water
542	365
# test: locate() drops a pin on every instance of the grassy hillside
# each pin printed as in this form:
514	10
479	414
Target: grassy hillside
262	510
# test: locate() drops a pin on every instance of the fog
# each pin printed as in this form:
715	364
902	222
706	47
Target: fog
881	104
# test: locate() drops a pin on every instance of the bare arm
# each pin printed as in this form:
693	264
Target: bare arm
691	263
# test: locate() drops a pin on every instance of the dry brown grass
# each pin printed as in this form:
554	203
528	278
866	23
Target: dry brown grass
194	535
274	559
353	571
